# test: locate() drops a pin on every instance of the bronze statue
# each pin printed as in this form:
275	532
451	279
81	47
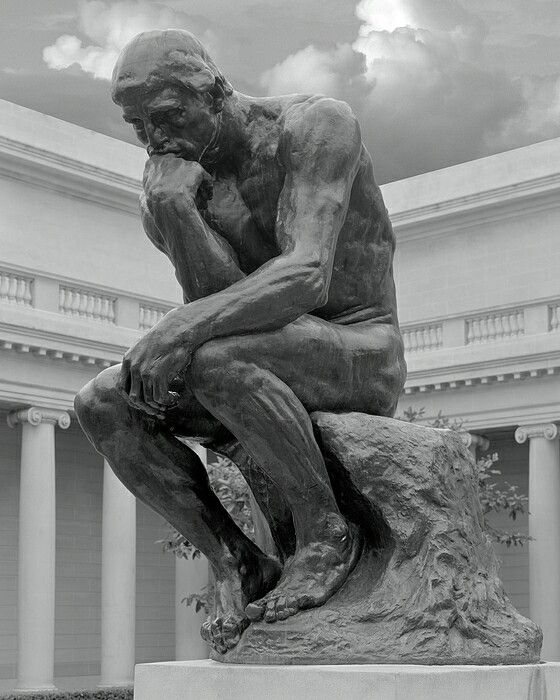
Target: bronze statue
269	211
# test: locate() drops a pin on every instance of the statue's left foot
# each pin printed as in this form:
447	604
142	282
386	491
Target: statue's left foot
315	572
232	591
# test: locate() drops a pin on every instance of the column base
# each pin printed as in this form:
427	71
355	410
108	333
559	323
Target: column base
207	680
47	688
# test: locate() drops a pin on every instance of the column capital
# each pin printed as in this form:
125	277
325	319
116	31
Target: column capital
536	430
478	442
34	415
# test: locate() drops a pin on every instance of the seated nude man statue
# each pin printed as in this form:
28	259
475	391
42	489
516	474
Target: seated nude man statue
269	212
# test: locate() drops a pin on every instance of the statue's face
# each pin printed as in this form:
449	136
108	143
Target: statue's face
171	120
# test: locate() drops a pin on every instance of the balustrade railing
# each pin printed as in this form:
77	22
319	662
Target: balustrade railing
88	304
149	316
422	338
97	305
490	327
16	289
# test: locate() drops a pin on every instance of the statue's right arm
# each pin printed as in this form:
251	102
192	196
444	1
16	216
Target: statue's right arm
204	262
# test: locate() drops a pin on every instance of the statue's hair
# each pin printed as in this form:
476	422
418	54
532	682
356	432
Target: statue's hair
156	59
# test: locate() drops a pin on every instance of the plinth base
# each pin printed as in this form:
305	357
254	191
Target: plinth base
210	680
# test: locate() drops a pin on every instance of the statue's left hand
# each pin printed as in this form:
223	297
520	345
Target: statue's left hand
148	368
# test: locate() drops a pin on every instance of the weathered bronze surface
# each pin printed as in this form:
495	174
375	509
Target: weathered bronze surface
426	588
269	211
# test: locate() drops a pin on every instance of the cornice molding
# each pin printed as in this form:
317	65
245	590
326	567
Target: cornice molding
68	176
57	337
524	358
41	351
432	384
48	168
543	191
549	431
35	415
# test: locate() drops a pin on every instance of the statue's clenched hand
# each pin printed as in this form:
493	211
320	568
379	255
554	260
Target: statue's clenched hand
149	367
167	177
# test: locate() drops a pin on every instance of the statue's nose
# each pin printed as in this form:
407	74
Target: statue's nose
156	136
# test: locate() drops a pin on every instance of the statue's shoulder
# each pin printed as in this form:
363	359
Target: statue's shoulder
318	111
320	126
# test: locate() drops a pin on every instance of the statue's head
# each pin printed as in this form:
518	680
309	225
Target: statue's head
171	92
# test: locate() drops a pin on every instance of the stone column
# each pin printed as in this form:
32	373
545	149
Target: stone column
544	527
118	582
37	546
191	575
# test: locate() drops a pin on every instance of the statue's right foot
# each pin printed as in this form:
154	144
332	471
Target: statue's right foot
232	593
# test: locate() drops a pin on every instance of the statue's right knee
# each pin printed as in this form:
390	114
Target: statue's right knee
97	404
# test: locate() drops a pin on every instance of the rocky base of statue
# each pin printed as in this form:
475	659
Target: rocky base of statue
426	588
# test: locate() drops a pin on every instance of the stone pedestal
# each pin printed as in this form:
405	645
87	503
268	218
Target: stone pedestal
426	588
209	680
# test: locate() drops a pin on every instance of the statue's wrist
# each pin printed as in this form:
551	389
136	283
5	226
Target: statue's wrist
187	330
179	205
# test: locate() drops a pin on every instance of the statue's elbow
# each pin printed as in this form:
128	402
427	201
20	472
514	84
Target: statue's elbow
318	285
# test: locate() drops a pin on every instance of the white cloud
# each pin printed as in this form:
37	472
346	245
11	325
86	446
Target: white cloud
383	15
420	74
110	26
540	116
312	70
68	51
422	98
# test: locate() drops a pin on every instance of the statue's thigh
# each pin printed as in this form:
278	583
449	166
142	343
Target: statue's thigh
327	366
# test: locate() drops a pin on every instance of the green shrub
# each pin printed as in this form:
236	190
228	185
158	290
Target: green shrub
105	694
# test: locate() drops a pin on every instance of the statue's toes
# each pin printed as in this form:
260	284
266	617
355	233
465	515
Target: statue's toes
217	636
270	610
285	607
280	608
255	610
232	629
205	632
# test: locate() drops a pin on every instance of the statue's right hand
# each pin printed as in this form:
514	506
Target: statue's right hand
167	177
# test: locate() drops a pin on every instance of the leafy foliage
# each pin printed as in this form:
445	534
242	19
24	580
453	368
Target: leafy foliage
105	694
494	498
232	490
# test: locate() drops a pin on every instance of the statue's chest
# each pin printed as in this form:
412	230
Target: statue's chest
244	213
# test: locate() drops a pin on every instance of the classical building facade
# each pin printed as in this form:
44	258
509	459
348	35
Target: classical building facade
85	589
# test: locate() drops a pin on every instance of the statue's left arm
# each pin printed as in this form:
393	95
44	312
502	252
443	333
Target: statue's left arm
320	151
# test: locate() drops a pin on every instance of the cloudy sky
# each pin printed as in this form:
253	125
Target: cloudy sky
434	82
